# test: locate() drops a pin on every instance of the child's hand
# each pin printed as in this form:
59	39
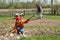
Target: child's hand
28	19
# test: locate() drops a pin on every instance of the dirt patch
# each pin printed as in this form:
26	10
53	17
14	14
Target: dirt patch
4	35
45	22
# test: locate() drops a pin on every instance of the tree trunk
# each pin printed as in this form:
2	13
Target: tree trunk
52	7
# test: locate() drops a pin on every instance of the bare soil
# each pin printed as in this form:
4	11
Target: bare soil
5	35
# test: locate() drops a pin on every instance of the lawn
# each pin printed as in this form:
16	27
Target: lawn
43	37
52	17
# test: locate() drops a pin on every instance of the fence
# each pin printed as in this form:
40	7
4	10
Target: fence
11	12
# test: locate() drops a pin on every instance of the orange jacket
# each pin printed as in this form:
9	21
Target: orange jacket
21	24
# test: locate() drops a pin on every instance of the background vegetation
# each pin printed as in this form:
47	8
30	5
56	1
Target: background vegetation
17	4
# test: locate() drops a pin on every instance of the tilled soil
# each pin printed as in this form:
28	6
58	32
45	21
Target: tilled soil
5	35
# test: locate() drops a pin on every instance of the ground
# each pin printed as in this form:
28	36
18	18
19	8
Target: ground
34	27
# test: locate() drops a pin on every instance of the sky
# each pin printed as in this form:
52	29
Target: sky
41	0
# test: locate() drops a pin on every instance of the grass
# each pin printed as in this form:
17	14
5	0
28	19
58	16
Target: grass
43	37
28	16
6	19
48	16
53	17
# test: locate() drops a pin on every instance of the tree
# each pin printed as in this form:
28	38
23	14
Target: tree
45	2
3	4
56	7
56	1
34	1
52	7
39	2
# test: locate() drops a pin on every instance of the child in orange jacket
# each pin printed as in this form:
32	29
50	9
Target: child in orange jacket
19	25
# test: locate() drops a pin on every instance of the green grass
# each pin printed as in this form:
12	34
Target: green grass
43	37
28	16
52	16
6	19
